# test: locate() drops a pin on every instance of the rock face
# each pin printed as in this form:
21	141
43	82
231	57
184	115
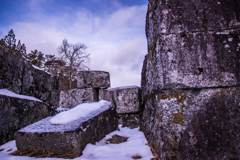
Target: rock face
68	138
22	78
93	79
17	113
70	98
126	99
190	79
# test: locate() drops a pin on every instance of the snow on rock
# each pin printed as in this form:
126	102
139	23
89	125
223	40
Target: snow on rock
36	67
80	111
12	94
123	87
102	150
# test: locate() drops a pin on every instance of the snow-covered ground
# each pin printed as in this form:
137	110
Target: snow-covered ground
12	94
103	150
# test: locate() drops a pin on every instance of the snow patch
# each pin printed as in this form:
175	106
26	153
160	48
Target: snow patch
40	69
12	94
225	32
124	87
102	150
230	39
80	111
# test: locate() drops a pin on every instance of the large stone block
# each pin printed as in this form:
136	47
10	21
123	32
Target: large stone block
193	124
22	78
11	71
93	79
126	99
73	97
176	16
68	138
193	60
17	113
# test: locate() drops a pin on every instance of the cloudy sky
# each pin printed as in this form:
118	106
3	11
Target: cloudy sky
113	30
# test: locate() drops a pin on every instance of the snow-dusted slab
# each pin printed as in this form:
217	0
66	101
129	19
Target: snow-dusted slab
69	131
126	99
73	97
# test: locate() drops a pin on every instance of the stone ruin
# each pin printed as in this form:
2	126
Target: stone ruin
93	86
70	138
190	79
22	78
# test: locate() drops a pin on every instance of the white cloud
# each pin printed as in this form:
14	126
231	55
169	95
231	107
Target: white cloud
116	41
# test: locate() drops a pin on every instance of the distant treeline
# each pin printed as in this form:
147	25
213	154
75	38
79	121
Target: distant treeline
72	57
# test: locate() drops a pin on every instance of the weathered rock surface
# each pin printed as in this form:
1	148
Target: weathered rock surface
73	97
129	120
67	138
93	79
22	78
126	99
17	113
190	79
193	124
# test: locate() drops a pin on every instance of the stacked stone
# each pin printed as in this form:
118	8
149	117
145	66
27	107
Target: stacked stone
190	79
127	101
88	85
22	78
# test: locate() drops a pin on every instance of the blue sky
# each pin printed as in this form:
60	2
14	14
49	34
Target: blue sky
113	30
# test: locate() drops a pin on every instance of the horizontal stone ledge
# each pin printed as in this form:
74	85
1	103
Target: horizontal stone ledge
68	138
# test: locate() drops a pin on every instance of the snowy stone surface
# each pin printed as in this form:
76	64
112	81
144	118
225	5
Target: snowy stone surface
12	94
22	78
71	137
102	150
126	99
73	97
18	111
81	111
93	79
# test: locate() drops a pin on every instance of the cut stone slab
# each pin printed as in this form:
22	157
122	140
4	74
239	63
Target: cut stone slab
126	99
71	137
93	79
16	113
73	97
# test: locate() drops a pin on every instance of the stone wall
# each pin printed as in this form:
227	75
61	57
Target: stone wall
88	84
17	113
190	79
73	97
22	78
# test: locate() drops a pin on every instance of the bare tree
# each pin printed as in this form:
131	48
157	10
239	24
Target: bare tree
75	56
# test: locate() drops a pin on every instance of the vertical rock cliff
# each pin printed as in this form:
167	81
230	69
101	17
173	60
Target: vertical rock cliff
190	79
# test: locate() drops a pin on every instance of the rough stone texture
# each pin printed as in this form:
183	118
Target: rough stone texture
93	79
126	99
193	124
17	113
190	79
73	97
129	120
22	78
69	138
